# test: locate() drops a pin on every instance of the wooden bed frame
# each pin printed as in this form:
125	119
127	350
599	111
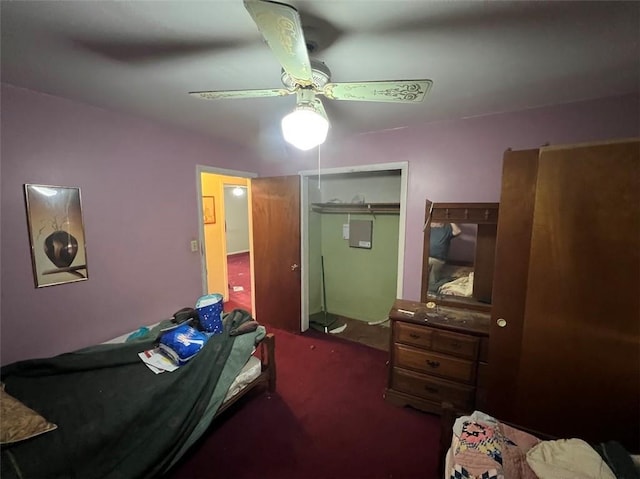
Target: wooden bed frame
267	376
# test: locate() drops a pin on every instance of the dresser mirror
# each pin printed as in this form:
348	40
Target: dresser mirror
458	254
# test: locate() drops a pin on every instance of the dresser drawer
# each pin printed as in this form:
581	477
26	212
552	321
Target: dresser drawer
428	387
455	344
411	334
434	363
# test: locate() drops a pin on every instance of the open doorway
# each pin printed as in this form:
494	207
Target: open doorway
225	235
274	242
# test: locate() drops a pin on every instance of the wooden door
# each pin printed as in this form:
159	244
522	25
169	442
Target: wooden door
578	369
276	251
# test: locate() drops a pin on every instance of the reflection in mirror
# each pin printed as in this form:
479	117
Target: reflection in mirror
452	249
458	255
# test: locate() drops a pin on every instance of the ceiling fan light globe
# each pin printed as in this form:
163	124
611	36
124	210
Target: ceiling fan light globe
305	128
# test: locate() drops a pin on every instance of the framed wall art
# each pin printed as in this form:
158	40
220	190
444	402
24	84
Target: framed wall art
56	233
209	210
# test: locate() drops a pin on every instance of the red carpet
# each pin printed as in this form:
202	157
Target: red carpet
239	273
328	419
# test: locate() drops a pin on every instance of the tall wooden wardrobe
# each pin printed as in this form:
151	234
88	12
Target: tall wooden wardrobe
564	353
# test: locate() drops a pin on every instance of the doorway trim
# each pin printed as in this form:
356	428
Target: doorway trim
200	169
403	166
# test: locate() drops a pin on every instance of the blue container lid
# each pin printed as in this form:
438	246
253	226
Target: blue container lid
209	299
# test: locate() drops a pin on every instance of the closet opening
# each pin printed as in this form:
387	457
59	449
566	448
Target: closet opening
353	223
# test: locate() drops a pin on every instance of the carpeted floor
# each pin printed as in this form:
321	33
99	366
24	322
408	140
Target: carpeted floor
328	419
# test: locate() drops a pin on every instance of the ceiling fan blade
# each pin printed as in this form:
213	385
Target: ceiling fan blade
281	27
139	51
230	94
399	91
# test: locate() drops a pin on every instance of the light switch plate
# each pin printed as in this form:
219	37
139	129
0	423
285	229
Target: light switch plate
345	231
194	246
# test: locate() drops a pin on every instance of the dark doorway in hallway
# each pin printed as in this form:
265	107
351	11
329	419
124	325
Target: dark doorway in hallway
239	273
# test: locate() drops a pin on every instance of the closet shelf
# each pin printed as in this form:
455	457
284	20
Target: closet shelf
359	208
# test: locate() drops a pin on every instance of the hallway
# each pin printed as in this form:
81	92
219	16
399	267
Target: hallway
239	274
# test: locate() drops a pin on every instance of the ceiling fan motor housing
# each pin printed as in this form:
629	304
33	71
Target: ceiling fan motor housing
320	75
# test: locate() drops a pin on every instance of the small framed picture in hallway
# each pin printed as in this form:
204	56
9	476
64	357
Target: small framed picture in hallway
209	210
56	233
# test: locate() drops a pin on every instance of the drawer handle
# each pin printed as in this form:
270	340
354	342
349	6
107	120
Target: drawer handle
433	364
456	345
414	336
431	389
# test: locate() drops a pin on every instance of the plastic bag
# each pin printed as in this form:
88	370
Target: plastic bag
182	343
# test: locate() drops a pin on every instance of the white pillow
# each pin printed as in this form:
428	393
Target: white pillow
567	459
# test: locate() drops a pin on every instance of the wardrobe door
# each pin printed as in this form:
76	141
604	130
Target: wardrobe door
511	268
578	372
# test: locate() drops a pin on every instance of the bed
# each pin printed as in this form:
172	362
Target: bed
104	414
480	446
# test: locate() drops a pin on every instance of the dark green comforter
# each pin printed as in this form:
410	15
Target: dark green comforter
116	419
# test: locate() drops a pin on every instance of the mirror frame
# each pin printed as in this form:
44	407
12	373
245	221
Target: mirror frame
485	215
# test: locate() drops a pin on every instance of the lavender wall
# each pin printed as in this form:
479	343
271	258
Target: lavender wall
138	184
140	211
461	161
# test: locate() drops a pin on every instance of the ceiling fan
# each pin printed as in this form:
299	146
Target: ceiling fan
307	126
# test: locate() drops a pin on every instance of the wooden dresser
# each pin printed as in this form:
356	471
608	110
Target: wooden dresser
437	357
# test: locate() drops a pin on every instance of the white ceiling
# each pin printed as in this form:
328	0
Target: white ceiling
142	57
